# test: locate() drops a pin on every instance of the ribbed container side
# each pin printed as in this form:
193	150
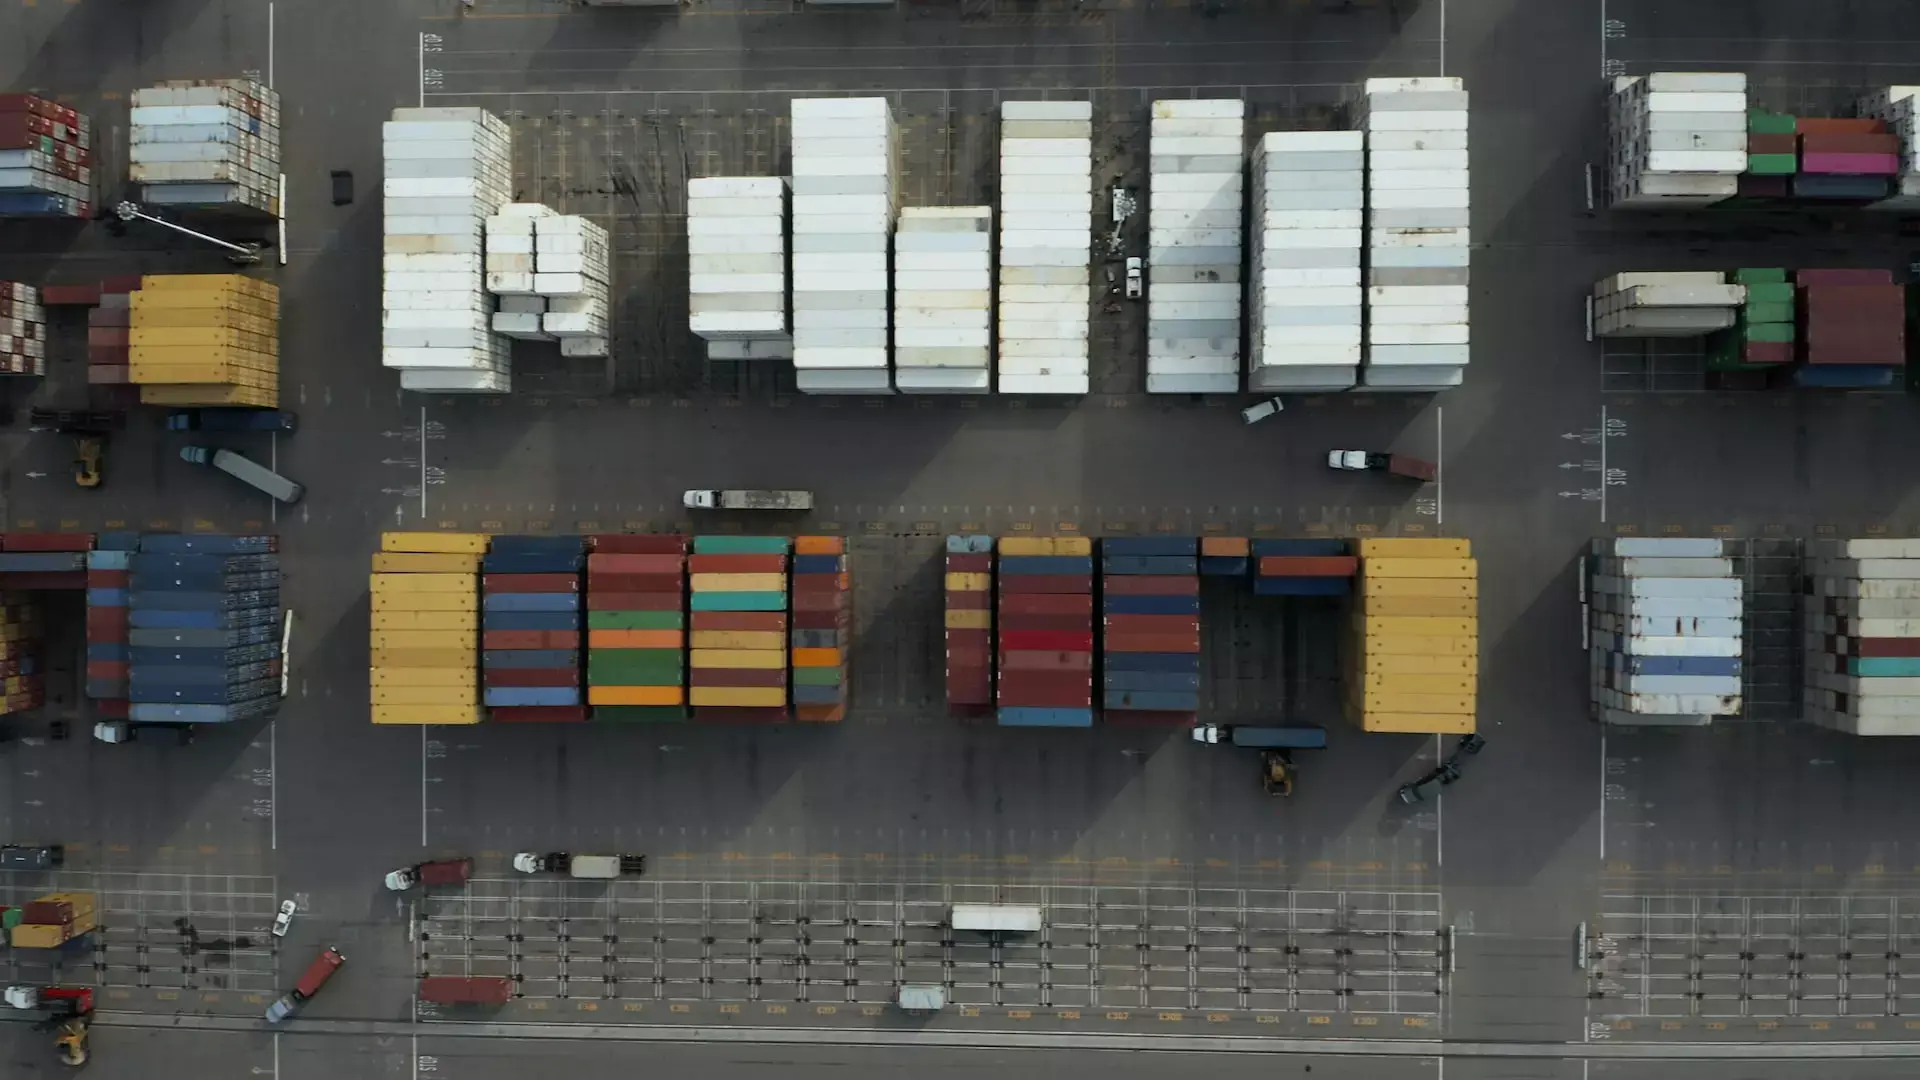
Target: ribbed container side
1666	630
1045	262
1304	322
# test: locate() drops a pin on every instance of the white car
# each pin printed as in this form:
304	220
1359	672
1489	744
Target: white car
1136	277
285	918
1253	414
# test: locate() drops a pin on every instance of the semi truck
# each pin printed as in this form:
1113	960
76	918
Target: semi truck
436	872
1412	468
309	984
230	420
1276	744
580	866
244	468
743	499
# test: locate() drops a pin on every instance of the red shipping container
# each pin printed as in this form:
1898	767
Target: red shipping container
820	714
529	639
1070	623
1046	689
39	541
530	583
739	620
1046	661
1150	585
820	583
530	677
600	600
720	714
604	581
106	618
1046	640
970	564
44	580
541	714
104	669
636	564
638	543
1026	584
1826	125
1772	144
822	620
736	677
19	130
736	564
837	600
1126	625
108	579
112	708
1897	647
1046	604
122	283
969	639
1172	643
1309	566
1848	143
1767	352
1843	275
969	601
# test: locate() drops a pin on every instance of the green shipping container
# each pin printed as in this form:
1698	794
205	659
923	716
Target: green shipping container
639	714
818	676
1760	275
635	667
1777	332
741	545
635	620
1769	312
1762	122
1769	293
738	601
1773	164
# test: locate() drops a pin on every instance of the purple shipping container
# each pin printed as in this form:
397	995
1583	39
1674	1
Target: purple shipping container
1850	164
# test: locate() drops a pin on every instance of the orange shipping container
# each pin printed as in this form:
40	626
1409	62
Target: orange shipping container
633	639
816	658
635	695
1227	546
819	545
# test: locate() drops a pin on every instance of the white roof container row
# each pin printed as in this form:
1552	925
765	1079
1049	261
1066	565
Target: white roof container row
1196	165
1895	105
1683	304
942	300
433	287
207	144
1863	636
1666	629
844	180
1305	293
1046	240
737	266
1417	234
1676	138
573	270
509	243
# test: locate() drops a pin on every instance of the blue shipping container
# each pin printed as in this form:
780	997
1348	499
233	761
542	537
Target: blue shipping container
545	545
168	600
250	619
117	541
530	620
818	639
206	544
183	675
49	562
211	638
1046	564
819	564
1302	586
1149	545
530	658
108	560
521	696
106	650
1299	546
252	581
203	657
808	694
202	695
1165	662
1150	680
533	562
1676	665
1845	376
1150	605
162	713
1177	566
1223	566
203	564
1024	716
531	602
106	598
1152	701
969	545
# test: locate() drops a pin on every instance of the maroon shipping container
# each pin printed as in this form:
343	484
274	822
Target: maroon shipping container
1046	689
1046	661
1046	604
837	600
529	639
635	564
1847	143
106	618
603	600
11	666
739	620
530	583
41	541
638	543
466	990
736	564
1066	623
70	295
1046	640
980	640
1767	352
99	669
822	620
736	677
1126	625
24	130
1026	584
819	583
109	336
1772	144
1849	164
970	564
607	581
108	579
541	714
76	579
1150	585
1176	643
112	708
1843	275
530	677
721	714
1309	566
969	601
1898	647
980	693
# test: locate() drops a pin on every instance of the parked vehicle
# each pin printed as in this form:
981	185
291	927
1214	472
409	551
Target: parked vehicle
1412	468
580	866
436	872
1442	774
1253	414
230	420
466	990
125	731
244	468
30	857
309	984
1282	737
284	920
714	499
1136	277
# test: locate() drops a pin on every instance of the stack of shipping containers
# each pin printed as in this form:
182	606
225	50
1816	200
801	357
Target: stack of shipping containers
219	596
822	623
1150	628
44	560
22	659
738	651
573	272
1863	636
1416	671
1046	239
109	583
23	330
1676	139
1308	199
1894	104
1194	238
533	583
53	920
1045	622
205	339
969	619
1764	334
1773	157
1689	304
109	340
1303	567
636	628
737	265
1418	242
30	562
1849	160
207	144
446	660
843	210
447	171
508	241
1225	556
46	159
1666	631
943	300
1853	328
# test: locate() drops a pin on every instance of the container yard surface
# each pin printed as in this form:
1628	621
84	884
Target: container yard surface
1660	839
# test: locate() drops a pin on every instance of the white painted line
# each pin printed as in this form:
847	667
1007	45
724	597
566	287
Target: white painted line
276	1056
1440	465
1443	71
423	467
283	219
423	785
422	56
1439	812
1603	465
273	776
1603	794
276	1038
273	462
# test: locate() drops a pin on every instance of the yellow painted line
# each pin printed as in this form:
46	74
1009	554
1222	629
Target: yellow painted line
1172	1017
1067	1014
1119	1016
679	1008
633	1006
1414	1021
587	1006
1366	1021
1019	1014
777	1010
537	1006
1320	1019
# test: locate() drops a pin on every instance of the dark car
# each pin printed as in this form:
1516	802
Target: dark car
1444	773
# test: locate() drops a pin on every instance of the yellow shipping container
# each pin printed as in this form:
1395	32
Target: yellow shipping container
204	336
1418	626
761	659
1046	545
1408	547
959	581
424	676
737	639
171	284
1441	606
426	715
1400	682
385	603
82	901
426	695
407	562
449	543
1419	568
1400	664
238	356
1414	723
969	620
414	584
463	658
165	318
740	697
1459	588
426	639
1373	701
1405	645
210	394
738	582
426	620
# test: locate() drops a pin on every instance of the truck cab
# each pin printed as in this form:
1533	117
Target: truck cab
1412	468
434	872
746	499
32	857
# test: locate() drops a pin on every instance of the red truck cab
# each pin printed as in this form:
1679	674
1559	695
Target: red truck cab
318	973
